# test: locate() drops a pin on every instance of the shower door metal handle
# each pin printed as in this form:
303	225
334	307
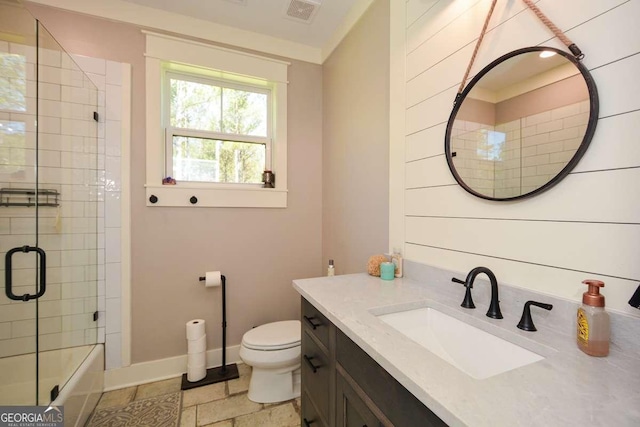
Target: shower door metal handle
9	279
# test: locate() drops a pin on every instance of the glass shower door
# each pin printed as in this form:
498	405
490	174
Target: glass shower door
68	172
50	197
19	259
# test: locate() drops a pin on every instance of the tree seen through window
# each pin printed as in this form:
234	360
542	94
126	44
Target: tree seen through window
228	125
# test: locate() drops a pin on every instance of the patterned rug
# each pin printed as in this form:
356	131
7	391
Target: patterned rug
160	411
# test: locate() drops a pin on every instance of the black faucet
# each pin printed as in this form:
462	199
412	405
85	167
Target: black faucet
494	307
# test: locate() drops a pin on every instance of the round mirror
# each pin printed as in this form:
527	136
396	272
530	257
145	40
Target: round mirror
521	124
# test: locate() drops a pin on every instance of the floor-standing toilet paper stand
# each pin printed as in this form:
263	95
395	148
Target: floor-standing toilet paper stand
224	372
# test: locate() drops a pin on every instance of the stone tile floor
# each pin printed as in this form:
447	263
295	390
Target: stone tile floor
216	405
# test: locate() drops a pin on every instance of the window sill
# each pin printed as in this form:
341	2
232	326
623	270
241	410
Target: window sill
180	196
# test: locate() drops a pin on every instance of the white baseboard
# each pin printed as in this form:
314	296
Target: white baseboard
162	369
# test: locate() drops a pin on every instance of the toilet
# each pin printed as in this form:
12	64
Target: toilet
273	351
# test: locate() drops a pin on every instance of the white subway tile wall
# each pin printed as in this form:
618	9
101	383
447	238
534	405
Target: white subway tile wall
65	312
107	76
72	161
535	149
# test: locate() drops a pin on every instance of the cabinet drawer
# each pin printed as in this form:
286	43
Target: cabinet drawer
309	416
315	322
316	370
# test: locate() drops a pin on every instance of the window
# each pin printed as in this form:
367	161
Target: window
216	119
216	131
491	145
13	90
13	82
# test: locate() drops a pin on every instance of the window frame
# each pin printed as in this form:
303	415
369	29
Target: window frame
171	131
233	69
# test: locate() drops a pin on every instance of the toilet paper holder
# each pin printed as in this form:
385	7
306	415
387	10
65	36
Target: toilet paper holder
220	373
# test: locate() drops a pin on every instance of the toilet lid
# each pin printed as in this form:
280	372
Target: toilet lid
273	336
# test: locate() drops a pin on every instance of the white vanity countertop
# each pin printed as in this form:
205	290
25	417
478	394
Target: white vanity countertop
567	388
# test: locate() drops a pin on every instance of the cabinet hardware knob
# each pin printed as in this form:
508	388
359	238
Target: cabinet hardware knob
193	200
313	367
310	321
153	198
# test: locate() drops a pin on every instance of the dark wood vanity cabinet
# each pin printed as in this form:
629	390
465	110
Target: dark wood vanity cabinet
343	387
317	373
351	410
318	368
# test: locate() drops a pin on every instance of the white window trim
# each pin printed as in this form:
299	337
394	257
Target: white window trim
161	49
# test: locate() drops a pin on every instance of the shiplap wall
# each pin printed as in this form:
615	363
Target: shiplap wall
587	226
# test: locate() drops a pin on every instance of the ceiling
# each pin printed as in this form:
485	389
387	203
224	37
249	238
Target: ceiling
266	17
521	68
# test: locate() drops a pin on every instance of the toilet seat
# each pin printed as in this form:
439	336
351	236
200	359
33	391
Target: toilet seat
273	336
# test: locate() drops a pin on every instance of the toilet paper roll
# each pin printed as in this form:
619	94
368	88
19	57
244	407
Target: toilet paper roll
212	278
195	329
196	372
196	359
197	346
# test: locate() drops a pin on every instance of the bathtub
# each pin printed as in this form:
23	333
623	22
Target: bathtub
78	372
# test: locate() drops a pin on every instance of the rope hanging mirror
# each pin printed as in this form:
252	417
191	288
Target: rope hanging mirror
524	121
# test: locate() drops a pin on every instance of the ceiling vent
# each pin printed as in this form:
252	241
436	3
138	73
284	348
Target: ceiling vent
302	10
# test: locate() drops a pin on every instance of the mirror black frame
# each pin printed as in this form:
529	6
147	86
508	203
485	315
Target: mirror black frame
591	126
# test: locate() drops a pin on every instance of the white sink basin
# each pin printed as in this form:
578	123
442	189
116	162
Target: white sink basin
474	351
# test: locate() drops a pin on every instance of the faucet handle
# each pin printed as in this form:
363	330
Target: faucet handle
468	301
455	279
526	322
635	299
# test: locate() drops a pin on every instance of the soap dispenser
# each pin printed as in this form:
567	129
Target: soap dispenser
593	321
396	259
331	270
